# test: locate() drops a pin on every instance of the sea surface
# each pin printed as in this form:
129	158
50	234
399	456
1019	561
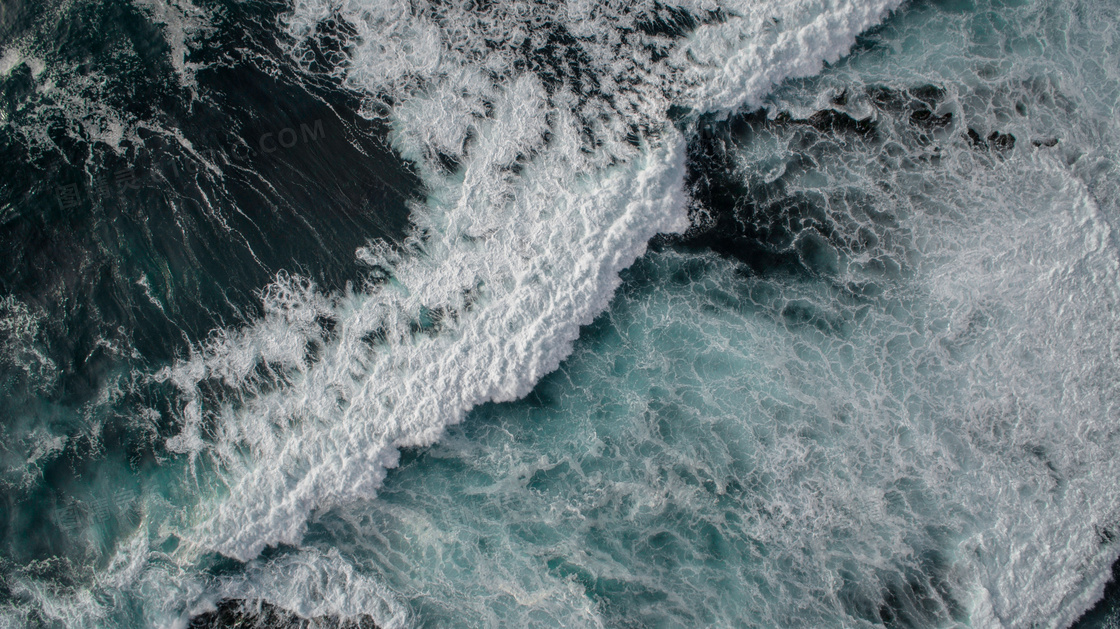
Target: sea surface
583	313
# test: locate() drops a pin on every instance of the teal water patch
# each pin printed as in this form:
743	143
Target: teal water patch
721	450
668	475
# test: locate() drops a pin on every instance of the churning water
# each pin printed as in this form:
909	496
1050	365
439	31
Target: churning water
585	314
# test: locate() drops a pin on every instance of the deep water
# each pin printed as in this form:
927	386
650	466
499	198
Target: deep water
343	313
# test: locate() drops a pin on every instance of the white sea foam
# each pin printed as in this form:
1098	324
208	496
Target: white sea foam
184	24
328	437
24	356
9	60
516	249
736	64
1044	428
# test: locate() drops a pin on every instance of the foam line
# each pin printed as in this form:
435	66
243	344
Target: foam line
517	247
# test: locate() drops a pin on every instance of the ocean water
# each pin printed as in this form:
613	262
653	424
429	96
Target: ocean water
582	314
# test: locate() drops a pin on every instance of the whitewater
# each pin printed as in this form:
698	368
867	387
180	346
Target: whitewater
876	387
513	265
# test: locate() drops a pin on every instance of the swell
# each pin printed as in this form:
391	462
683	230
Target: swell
539	194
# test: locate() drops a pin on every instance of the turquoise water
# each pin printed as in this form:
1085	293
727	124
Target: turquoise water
870	381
